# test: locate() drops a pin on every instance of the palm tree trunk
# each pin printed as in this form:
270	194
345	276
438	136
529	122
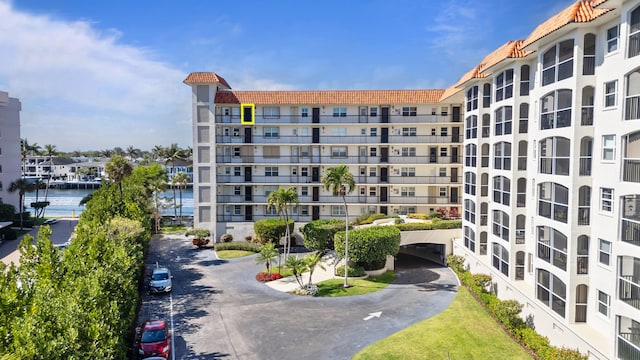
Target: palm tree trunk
175	209
180	190
46	195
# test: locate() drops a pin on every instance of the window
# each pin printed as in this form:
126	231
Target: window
373	112
470	211
484	184
486	125
373	152
271	112
554	155
500	258
603	303
504	85
523	126
469	238
270	171
237	209
304	191
584	205
444	131
408	151
304	171
504	116
408	191
408	172
409	111
483	243
469	183
337	210
442	172
586	117
522	155
555	110
552	201
632	99
583	255
472	98
525	74
339	131
612	38
373	171
410	131
552	247
471	127
373	132
338	151
520	265
486	95
501	224
304	112
604	252
634	33
363	132
237	171
586	151
339	112
442	192
271	132
502	156
521	193
551	291
236	190
606	200
501	190
608	147
236	152
372	191
271	152
557	62
610	89
443	151
271	210
470	152
589	55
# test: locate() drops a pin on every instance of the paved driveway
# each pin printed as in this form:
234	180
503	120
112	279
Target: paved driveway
220	311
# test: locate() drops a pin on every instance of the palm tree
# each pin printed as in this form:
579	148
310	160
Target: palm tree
50	151
118	168
118	151
26	150
281	200
181	180
157	152
340	181
266	255
172	154
22	186
156	186
106	153
311	261
133	153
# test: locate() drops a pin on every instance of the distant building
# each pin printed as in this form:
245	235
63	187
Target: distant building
9	147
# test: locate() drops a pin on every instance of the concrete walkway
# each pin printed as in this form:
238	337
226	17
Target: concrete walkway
288	284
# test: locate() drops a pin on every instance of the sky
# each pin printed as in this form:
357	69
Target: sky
93	75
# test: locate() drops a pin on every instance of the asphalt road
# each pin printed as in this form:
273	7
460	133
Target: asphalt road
60	233
219	311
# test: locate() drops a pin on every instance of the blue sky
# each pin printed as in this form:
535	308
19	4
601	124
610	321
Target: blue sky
94	75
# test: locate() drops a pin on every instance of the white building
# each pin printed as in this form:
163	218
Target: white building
402	146
552	176
9	147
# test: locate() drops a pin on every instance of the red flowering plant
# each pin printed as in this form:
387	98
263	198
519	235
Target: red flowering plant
265	276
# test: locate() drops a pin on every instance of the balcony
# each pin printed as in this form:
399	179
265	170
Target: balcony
586	119
351	199
634	44
349	119
631	170
630	233
329	159
337	140
582	264
629	346
632	108
585	165
520	236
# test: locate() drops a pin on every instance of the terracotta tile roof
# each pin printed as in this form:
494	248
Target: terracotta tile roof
205	78
510	50
455	88
581	11
334	97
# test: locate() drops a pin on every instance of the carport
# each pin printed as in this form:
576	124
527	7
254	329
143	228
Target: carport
432	245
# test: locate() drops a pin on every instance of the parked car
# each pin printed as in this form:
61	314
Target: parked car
62	246
154	339
160	281
50	221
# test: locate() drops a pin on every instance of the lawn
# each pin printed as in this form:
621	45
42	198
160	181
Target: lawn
231	254
333	287
173	229
463	331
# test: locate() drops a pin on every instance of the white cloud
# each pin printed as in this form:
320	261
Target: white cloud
82	88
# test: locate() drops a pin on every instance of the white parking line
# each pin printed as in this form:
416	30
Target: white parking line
173	353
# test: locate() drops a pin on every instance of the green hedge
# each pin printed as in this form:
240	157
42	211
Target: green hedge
318	234
370	246
508	312
436	225
238	245
271	230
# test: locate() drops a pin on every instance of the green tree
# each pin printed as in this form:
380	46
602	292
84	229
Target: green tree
26	150
157	186
172	154
282	200
370	246
133	152
118	168
49	151
339	181
297	267
318	234
267	253
22	186
312	261
181	180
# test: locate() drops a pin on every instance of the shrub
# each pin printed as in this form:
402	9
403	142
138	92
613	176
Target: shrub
369	246
265	277
238	245
355	271
435	224
418	216
480	282
271	230
226	238
318	234
248	238
198	233
7	211
435	215
456	263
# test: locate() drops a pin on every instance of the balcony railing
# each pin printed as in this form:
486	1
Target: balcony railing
523	126
329	159
349	119
631	170
588	65
630	232
632	108
338	140
584	216
634	44
357	199
629	346
629	290
300	179
520	235
582	264
587	116
585	165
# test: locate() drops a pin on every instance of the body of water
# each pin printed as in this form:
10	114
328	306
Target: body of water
66	202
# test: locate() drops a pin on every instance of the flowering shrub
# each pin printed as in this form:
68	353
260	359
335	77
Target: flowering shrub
265	277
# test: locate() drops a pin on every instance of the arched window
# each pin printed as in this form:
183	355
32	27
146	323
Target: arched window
471	126
589	55
557	62
504	120
523	126
484	184
586	150
522	155
501	190
501	224
470	211
586	118
469	183
551	291
469	239
554	155
470	152
484	161
582	263
472	98
555	110
634	33
553	200
632	98
552	247
521	192
483	243
486	95
581	302
584	205
520	265
520	224
500	258
525	74
486	125
504	85
502	156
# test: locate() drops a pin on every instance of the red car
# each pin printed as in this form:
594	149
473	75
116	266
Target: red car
154	339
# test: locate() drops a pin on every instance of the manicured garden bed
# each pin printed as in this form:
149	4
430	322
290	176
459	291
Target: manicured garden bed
333	287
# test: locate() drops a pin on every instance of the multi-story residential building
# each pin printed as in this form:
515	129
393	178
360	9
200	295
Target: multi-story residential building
9	147
402	146
552	176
